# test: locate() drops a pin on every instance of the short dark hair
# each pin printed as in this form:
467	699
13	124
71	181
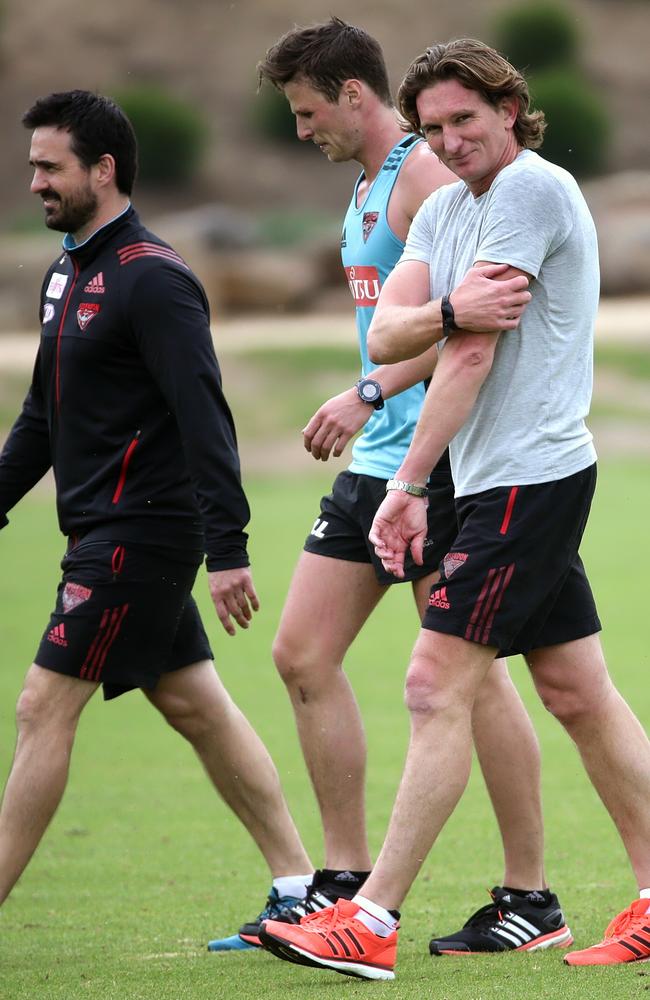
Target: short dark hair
97	126
327	55
478	67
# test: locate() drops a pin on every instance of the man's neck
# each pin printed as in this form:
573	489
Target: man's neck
381	132
106	213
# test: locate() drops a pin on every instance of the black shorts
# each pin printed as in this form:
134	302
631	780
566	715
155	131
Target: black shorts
124	615
513	577
346	515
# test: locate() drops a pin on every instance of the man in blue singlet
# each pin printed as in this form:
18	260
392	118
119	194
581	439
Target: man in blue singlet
334	77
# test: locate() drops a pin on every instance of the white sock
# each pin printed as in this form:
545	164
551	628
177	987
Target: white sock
645	894
293	885
375	917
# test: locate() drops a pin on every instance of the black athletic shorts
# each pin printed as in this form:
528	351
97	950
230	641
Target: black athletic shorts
124	615
346	515
513	577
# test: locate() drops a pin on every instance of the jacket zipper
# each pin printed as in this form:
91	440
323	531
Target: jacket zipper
59	334
128	455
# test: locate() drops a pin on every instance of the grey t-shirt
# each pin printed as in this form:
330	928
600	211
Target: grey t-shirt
527	425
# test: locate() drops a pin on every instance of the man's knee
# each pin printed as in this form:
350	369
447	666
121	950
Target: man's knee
571	697
301	663
427	692
190	716
51	700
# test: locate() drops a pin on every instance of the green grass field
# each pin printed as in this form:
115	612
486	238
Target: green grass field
143	864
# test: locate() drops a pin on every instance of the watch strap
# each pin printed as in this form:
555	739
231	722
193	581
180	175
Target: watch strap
448	317
404	487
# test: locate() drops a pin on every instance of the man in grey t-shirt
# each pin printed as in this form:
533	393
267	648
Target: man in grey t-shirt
512	408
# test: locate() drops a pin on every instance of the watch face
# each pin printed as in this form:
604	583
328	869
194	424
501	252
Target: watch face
369	391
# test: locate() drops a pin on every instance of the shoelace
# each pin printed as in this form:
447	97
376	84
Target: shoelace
488	914
322	920
274	908
312	904
627	920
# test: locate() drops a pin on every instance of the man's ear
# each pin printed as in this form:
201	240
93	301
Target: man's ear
104	169
510	110
352	92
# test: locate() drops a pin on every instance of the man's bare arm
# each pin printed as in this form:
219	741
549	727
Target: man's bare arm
490	298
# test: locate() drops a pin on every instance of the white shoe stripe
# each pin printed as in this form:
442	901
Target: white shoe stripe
535	931
512	934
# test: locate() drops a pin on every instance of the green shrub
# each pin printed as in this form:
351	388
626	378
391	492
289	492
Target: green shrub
578	128
537	36
171	134
271	115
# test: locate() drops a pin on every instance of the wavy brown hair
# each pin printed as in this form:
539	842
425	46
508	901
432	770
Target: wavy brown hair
478	67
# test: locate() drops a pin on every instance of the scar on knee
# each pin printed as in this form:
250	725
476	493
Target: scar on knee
303	695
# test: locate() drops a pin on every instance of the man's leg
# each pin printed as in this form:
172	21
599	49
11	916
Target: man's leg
574	685
328	602
443	677
194	701
573	682
508	752
442	680
510	762
47	714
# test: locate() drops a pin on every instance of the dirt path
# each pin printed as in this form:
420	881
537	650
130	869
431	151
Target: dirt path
626	320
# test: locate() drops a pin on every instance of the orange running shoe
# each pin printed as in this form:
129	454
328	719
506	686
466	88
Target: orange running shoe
333	939
627	939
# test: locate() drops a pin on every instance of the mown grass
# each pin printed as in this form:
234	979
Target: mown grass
143	864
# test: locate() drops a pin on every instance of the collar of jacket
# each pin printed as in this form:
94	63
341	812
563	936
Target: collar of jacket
89	249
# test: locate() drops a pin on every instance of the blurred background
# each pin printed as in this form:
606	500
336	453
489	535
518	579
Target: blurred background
257	214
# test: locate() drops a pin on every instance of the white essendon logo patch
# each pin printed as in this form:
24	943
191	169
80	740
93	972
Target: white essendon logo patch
57	285
74	594
453	561
48	312
364	284
86	312
369	223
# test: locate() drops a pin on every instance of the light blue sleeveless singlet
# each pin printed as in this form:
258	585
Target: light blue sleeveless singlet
369	251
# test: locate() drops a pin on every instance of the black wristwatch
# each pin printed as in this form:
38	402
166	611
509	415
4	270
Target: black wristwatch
448	318
369	391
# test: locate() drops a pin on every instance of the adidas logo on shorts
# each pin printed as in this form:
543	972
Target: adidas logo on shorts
439	599
57	635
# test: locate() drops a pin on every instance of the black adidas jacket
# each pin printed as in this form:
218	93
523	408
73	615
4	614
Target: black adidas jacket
126	402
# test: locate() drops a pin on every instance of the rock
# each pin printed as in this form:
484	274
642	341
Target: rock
620	204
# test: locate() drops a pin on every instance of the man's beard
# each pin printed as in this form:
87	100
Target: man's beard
71	214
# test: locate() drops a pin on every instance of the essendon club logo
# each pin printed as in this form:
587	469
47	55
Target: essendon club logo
439	599
369	223
86	312
364	284
74	594
453	561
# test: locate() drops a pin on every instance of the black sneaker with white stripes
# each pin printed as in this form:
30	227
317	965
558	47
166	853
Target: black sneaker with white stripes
326	887
511	922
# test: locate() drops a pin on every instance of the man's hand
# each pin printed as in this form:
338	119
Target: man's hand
233	595
485	305
400	523
334	423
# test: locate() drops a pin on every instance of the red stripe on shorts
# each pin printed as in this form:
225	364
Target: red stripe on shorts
495	607
488	603
109	627
505	524
117	560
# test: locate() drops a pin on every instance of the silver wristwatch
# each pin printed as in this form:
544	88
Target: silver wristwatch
400	484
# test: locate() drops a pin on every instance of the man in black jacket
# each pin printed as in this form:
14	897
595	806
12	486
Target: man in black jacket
126	406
